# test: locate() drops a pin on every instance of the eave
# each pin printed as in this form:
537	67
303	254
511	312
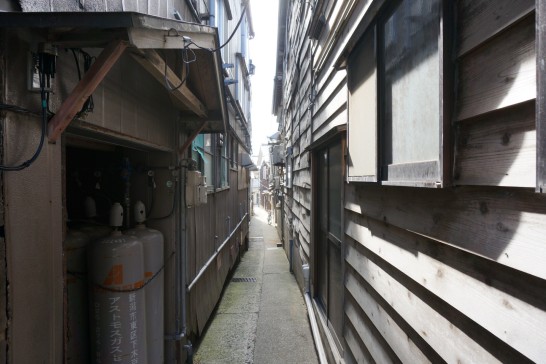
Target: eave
200	100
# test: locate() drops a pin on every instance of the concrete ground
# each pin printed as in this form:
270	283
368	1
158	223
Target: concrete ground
261	321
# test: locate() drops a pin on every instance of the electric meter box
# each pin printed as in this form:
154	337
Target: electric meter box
196	189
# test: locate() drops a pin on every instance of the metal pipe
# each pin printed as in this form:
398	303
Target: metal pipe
180	313
184	256
211	259
315	330
291	252
212	13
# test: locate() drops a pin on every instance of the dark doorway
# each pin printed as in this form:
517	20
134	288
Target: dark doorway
329	275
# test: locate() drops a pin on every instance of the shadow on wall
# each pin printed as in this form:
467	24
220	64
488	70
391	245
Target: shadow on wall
483	230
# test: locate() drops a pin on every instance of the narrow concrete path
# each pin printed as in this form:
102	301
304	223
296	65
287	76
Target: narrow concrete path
261	317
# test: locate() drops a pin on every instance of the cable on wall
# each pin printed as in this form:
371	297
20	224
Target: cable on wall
46	68
230	37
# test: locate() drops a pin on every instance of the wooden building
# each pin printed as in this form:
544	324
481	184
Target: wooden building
166	102
415	135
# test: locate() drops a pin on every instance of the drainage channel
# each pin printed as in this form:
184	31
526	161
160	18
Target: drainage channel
243	279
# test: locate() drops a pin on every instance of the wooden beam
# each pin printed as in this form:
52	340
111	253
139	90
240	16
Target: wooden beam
155	65
87	85
194	135
541	94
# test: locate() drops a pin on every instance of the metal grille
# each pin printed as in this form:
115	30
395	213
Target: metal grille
243	279
256	238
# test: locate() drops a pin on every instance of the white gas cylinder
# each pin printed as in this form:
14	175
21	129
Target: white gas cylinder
152	241
118	309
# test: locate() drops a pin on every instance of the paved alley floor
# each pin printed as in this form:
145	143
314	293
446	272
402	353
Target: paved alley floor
261	317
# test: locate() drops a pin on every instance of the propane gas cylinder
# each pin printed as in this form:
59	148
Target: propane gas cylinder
152	241
118	311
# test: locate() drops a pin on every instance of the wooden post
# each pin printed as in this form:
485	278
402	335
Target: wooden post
541	94
85	88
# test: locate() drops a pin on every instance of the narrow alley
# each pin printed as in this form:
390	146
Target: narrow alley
261	317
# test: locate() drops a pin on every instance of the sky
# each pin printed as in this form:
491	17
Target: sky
262	51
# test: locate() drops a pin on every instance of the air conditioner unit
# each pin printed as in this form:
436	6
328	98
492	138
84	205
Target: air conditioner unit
277	155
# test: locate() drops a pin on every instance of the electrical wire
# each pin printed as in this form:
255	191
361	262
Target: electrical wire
89	104
172	209
230	37
16	108
44	105
186	62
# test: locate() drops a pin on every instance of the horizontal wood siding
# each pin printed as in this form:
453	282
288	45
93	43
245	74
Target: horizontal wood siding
498	149
500	73
483	19
496	140
436	275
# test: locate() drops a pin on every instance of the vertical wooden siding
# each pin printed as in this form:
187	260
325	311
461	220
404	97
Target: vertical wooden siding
207	228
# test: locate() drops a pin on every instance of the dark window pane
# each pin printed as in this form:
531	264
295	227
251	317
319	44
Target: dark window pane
335	293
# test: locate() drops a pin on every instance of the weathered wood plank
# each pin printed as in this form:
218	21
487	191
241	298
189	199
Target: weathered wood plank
152	62
334	84
338	118
499	149
451	343
480	20
358	350
513	320
504	225
500	73
399	341
302	178
375	345
74	102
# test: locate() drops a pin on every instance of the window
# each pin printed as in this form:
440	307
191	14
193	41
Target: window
213	162
224	161
398	80
288	175
234	153
202	153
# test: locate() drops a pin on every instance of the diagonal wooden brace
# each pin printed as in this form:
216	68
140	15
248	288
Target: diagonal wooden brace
87	85
191	138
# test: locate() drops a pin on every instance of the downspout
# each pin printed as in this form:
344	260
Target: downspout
212	13
182	258
315	330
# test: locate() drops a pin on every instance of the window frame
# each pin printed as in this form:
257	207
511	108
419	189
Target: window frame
219	158
435	173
